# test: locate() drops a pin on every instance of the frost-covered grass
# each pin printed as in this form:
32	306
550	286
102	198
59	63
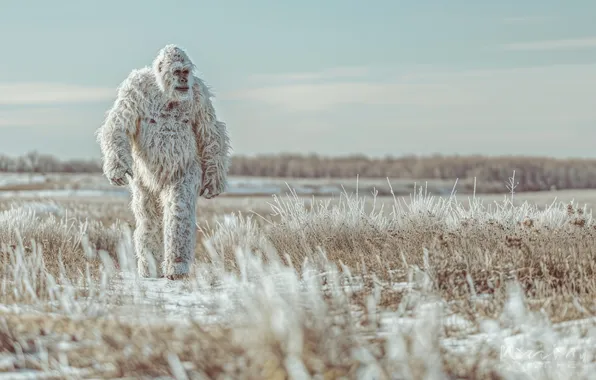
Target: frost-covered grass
431	288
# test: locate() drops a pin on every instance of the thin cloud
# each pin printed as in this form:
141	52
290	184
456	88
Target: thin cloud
425	88
313	97
524	109
331	73
51	93
523	20
560	88
50	116
561	44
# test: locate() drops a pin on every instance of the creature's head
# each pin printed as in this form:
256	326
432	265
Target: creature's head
173	70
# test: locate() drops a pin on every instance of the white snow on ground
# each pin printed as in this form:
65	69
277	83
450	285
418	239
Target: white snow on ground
174	301
518	351
257	189
7	179
247	191
160	301
62	193
177	302
97	186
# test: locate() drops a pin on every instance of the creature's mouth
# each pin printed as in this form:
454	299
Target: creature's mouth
182	88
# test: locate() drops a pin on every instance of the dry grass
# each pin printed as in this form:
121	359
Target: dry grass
466	250
430	288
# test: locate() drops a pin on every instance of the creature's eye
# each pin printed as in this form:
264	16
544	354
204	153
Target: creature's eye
177	72
185	71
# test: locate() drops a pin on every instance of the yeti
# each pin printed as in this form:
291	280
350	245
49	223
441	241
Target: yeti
162	138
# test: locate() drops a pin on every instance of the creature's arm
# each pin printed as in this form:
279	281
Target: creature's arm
114	135
213	143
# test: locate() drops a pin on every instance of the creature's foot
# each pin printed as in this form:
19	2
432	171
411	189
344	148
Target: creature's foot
176	270
175	277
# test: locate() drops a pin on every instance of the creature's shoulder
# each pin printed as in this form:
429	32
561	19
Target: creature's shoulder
138	81
201	92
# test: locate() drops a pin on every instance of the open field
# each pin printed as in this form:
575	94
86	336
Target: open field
13	184
486	173
258	190
287	286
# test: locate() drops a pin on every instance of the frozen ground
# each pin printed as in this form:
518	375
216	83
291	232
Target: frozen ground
350	291
61	185
531	348
90	186
75	184
12	179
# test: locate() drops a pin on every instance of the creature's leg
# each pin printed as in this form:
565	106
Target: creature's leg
148	232
179	200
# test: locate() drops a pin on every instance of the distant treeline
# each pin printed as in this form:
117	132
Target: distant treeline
34	162
532	173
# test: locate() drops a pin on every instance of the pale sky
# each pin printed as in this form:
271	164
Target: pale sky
330	77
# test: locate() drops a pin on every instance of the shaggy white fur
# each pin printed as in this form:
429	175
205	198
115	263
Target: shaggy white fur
163	139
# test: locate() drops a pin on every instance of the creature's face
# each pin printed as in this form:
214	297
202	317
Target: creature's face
173	69
179	77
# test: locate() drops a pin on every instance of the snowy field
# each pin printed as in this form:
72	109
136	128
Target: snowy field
64	185
287	286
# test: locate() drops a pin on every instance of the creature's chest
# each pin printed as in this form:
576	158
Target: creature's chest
167	129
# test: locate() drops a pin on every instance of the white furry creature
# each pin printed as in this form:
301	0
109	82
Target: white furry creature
163	139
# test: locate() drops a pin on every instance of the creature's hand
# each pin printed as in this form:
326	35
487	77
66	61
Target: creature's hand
209	188
119	175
